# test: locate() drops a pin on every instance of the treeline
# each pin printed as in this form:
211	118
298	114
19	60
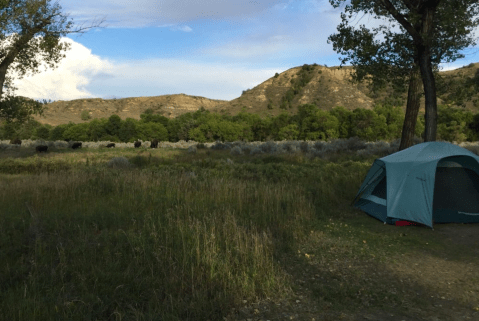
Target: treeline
310	123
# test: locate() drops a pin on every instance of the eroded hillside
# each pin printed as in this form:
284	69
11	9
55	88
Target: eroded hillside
325	87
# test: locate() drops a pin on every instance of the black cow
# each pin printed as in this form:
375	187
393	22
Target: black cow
154	143
41	148
16	142
76	145
137	144
110	145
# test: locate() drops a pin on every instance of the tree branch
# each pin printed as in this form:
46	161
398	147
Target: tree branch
402	19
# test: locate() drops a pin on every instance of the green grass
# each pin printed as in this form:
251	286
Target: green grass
81	241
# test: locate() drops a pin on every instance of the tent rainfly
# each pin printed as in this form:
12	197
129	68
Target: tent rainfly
431	182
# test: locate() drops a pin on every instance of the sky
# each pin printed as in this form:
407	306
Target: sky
209	48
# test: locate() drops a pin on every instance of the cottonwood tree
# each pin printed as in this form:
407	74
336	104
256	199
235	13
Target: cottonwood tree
431	32
23	20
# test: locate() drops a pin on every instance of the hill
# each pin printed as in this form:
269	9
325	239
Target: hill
326	87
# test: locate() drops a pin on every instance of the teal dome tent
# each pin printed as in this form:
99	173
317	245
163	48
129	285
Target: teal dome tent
431	182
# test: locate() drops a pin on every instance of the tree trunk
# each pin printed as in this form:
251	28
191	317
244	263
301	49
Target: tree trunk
3	72
424	55
412	108
430	97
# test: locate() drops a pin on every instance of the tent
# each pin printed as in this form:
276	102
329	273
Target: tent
431	182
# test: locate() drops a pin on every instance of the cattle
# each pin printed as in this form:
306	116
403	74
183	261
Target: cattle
154	143
16	142
76	145
68	140
110	145
41	148
137	144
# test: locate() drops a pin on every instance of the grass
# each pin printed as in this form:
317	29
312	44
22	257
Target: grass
180	236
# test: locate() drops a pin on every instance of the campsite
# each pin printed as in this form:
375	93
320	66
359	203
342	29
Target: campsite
170	234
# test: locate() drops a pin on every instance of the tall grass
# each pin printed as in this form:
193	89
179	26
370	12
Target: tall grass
137	245
167	235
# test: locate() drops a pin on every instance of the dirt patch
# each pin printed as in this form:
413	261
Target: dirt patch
464	235
425	284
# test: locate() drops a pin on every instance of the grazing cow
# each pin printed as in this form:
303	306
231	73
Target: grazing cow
137	144
76	145
154	143
41	148
16	142
67	140
110	145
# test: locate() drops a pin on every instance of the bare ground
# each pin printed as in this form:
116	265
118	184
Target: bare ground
427	284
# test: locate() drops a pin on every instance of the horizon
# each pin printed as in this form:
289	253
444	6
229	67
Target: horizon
209	50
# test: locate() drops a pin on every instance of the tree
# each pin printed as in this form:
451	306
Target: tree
24	19
432	31
113	125
128	130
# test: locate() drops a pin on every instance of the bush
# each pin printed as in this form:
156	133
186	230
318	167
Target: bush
192	150
57	133
200	146
269	147
246	149
42	132
290	147
118	162
270	104
236	151
85	115
219	146
319	145
256	151
355	144
304	146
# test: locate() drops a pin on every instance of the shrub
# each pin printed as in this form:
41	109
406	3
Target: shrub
57	133
270	104
304	146
256	151
42	132
60	144
192	150
236	151
269	147
218	146
319	145
200	146
276	75
355	144
290	147
246	148
118	162
85	115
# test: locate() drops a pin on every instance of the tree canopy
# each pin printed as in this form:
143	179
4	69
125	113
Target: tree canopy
431	30
33	36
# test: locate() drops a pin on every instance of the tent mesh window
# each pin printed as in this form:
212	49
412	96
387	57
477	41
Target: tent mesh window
456	188
380	189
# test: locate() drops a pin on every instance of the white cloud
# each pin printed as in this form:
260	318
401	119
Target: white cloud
84	75
68	80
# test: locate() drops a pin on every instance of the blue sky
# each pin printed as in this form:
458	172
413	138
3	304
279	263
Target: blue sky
209	48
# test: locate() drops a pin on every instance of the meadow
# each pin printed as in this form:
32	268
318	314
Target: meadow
218	232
